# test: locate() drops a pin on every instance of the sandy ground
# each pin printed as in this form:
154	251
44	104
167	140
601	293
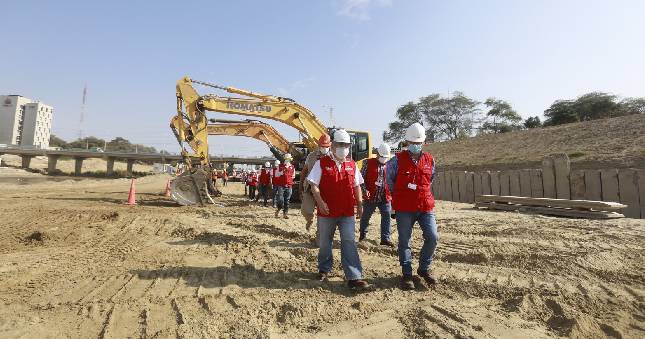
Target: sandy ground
76	262
67	165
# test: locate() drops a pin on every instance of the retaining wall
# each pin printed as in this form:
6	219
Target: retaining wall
554	180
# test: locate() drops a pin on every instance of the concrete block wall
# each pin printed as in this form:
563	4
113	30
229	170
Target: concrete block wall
554	180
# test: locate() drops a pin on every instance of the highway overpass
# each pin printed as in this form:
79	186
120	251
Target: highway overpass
110	157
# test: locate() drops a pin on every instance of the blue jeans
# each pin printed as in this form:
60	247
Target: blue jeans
368	209
404	223
283	193
348	252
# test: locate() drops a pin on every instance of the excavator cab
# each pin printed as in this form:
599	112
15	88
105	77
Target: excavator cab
361	148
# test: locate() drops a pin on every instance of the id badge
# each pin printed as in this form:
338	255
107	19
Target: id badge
412	186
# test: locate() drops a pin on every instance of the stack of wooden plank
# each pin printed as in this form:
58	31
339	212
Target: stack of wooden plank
588	209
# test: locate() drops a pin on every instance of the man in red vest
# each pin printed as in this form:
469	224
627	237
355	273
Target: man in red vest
409	177
284	177
335	184
252	181
265	182
377	194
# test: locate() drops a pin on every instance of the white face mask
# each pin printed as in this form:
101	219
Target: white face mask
324	150
382	160
341	153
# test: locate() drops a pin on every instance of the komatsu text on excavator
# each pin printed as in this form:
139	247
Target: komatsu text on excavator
190	126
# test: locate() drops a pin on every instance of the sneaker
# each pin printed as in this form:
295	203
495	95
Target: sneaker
407	283
362	237
387	243
358	284
323	276
430	280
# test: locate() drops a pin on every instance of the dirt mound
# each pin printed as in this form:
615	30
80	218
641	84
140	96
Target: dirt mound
608	143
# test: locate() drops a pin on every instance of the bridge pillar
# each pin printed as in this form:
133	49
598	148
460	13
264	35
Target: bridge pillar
110	167
26	160
130	165
52	159
78	165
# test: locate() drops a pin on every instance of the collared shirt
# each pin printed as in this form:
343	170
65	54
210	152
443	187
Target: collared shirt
393	169
380	190
316	173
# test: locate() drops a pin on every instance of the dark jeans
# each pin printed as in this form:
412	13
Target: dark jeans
368	209
283	195
404	223
264	193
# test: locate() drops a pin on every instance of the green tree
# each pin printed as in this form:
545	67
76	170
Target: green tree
55	141
501	117
630	106
561	112
532	122
87	142
596	105
453	117
406	115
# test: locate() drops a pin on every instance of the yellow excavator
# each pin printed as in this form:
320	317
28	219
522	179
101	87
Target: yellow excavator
190	127
278	144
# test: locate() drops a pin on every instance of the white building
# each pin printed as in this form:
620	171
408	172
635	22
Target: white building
24	122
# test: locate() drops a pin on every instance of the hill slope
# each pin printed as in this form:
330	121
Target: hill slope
616	142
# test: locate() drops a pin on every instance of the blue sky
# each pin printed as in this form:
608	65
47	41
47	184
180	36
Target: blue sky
363	57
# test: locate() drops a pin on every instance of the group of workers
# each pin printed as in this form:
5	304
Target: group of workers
277	179
330	182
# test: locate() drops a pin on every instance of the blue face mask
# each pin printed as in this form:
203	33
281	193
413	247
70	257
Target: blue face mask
414	148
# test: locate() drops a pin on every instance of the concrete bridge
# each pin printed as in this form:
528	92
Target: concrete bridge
110	157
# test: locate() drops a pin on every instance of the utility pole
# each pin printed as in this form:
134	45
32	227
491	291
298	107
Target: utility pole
80	124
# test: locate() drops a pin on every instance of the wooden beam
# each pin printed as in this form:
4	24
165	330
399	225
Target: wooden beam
562	212
548	202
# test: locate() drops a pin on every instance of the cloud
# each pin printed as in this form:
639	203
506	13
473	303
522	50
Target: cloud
359	9
296	85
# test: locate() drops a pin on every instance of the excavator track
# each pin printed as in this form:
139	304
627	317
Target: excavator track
193	188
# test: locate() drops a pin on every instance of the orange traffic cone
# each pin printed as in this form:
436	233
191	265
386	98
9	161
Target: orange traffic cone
132	194
167	193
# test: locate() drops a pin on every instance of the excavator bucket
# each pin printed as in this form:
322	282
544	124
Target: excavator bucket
192	188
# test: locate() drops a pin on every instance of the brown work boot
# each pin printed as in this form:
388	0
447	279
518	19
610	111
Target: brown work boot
357	284
406	283
308	225
323	276
430	280
277	213
362	237
284	215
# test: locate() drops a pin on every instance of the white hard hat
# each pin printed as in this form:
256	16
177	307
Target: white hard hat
341	135
415	133
277	162
267	164
288	157
384	150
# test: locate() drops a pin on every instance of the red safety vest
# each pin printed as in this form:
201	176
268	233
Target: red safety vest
276	178
253	180
286	179
405	198
371	176
265	176
337	187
